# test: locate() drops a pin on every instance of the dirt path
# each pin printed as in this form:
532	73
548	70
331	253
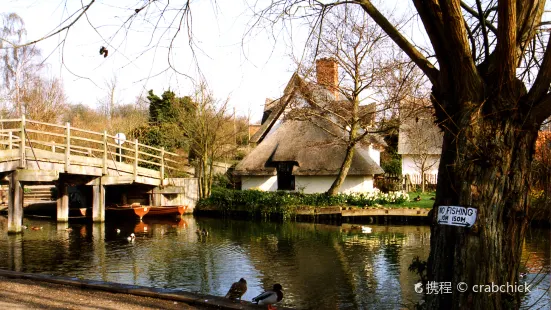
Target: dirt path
28	294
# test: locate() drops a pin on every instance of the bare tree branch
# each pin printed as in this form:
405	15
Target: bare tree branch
543	79
65	28
507	43
487	23
482	20
462	66
401	41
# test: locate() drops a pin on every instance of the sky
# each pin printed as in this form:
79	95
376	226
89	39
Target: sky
243	67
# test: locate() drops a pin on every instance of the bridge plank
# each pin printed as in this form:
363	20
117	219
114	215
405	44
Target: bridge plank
8	155
25	175
10	165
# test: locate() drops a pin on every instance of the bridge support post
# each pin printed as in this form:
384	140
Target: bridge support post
15	205
98	203
155	198
15	253
62	202
124	198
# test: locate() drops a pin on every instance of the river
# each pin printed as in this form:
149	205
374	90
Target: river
319	266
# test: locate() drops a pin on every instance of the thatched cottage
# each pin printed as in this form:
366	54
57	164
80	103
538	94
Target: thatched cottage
300	155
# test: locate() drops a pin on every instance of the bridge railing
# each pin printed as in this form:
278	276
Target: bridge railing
66	142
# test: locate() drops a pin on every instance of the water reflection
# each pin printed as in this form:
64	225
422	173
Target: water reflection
319	266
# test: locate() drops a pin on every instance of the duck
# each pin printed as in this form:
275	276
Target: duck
131	237
204	232
367	229
36	228
522	275
237	289
118	231
418	198
24	226
270	297
198	231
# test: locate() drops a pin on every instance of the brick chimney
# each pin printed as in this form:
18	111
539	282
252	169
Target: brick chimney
327	74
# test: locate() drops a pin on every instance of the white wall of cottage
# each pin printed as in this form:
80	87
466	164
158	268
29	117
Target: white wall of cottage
409	166
320	184
263	183
310	184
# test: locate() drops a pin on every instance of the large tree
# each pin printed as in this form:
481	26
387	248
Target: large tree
490	121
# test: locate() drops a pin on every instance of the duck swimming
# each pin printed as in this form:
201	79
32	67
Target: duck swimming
131	237
270	297
237	289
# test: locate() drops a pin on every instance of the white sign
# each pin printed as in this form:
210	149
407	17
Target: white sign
120	138
456	216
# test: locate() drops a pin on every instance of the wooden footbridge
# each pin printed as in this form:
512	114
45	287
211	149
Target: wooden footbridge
33	152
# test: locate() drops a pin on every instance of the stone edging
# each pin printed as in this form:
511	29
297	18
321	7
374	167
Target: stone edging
204	300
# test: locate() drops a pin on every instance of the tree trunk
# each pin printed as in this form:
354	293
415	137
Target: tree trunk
204	177
485	164
423	176
198	174
343	172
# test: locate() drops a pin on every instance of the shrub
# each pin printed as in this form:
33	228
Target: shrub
392	166
265	203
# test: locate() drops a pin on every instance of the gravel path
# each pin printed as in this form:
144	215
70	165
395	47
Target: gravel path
28	294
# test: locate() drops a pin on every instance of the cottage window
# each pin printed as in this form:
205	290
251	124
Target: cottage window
285	177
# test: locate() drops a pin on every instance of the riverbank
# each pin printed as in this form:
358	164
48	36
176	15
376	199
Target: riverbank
325	213
37	291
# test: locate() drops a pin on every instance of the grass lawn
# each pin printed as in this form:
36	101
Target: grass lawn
425	201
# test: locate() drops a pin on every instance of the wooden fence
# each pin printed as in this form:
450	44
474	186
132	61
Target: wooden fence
416	179
23	135
409	182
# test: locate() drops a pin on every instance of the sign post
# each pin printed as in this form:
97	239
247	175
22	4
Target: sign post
120	138
456	216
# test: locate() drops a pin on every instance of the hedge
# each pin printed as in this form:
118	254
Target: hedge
266	203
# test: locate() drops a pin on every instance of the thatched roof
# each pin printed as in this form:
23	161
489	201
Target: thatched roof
419	136
313	150
294	97
273	110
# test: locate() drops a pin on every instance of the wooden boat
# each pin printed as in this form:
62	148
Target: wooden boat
136	210
167	210
127	211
